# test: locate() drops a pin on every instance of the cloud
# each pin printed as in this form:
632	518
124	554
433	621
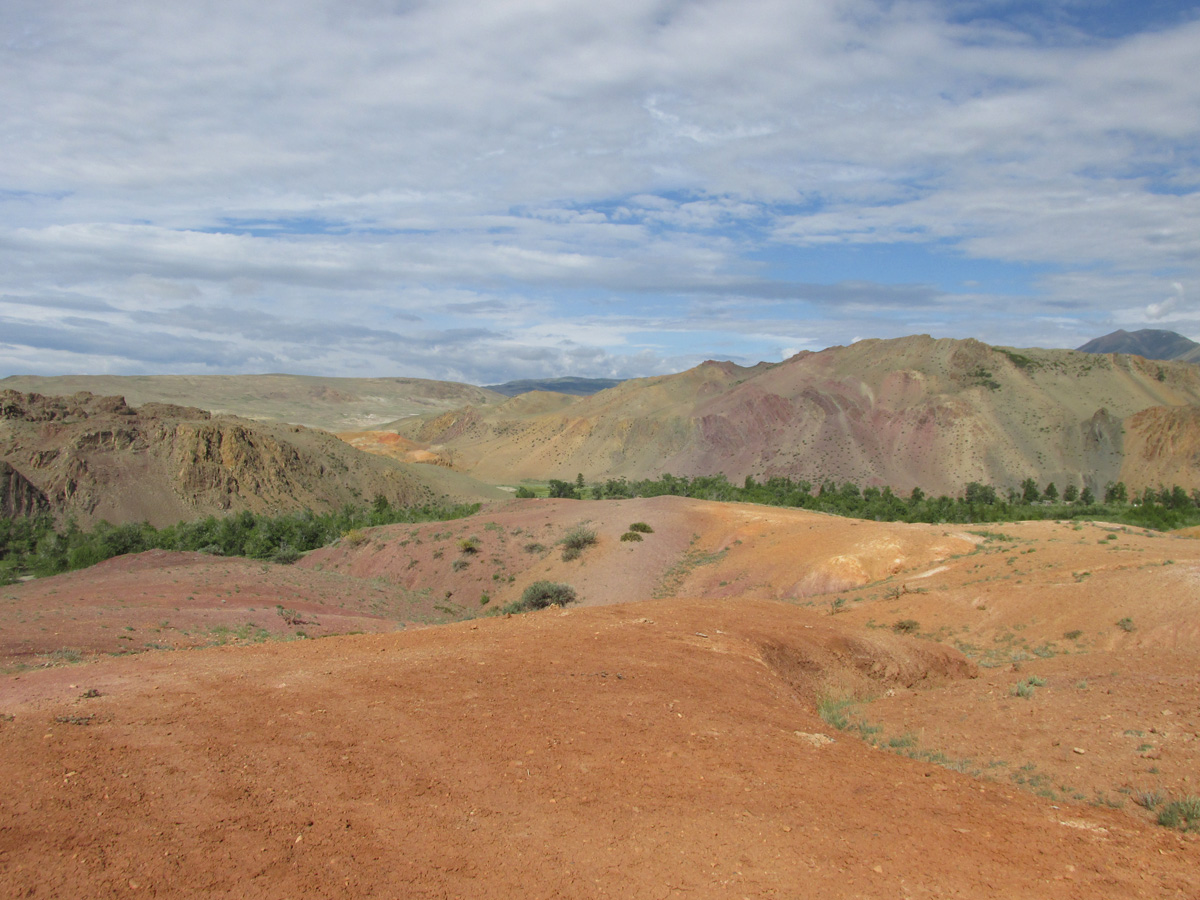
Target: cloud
1157	311
375	187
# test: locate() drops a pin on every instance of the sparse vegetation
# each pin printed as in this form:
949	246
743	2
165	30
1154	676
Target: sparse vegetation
1126	624
576	541
35	546
1026	689
906	626
631	536
540	595
641	527
1183	814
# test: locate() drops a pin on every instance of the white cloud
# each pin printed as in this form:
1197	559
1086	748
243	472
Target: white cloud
629	174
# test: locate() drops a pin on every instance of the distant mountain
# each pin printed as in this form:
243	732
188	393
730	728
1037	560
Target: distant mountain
1152	343
332	404
907	412
580	387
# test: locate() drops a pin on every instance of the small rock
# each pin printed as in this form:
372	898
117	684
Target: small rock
1078	750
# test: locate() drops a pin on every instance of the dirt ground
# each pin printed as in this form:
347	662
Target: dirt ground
1001	704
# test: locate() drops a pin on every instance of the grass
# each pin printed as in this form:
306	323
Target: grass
1026	688
1182	814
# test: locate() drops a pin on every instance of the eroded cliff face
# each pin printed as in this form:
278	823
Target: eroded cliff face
97	458
1162	447
18	496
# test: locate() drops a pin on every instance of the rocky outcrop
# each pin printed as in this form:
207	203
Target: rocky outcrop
18	496
98	458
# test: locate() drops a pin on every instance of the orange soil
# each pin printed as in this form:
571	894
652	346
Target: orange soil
667	747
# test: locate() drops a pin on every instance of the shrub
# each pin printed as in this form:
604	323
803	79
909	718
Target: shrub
907	626
524	493
535	547
1183	814
631	536
469	545
459	564
1025	689
541	594
576	541
285	555
642	527
1126	624
354	537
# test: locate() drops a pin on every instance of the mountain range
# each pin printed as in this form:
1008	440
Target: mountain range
909	412
905	413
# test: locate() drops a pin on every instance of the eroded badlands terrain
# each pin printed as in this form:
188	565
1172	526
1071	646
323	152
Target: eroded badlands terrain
749	702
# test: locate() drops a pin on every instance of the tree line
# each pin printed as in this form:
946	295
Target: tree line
1159	508
36	546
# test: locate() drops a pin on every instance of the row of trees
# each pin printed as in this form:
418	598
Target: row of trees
36	546
1161	508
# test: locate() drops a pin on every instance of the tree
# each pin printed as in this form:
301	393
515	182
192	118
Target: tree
1029	491
1051	493
563	490
1086	497
1115	492
1071	494
981	493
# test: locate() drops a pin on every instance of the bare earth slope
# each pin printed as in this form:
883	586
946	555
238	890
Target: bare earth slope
333	404
660	740
908	412
97	458
663	749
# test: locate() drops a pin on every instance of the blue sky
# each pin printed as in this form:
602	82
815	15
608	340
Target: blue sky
489	191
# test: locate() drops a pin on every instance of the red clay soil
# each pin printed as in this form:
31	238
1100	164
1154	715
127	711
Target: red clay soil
159	600
1049	692
636	751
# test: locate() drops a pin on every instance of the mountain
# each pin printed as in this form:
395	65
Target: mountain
333	404
98	458
580	387
1152	343
907	412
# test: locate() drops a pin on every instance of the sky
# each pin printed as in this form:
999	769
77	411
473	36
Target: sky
486	191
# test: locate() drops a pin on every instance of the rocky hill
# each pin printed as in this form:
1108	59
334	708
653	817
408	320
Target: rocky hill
98	458
908	412
334	404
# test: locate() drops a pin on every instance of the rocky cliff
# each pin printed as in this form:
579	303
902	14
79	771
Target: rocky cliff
98	458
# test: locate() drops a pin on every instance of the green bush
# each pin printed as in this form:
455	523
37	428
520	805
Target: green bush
541	594
642	527
524	493
631	536
576	541
1183	814
469	545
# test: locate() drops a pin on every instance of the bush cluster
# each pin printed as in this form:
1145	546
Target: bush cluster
541	594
